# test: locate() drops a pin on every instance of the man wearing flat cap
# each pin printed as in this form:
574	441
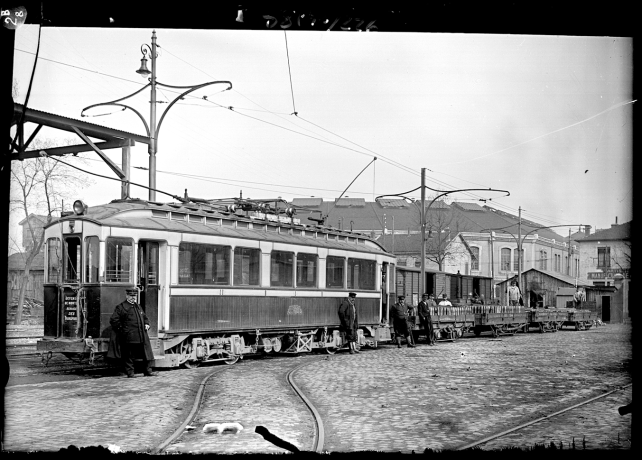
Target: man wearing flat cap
349	321
425	318
129	339
399	315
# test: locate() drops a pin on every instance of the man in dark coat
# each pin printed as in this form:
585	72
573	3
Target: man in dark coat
129	329
427	302
349	321
399	315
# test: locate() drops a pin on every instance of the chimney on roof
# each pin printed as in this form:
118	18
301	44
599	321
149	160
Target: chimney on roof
587	230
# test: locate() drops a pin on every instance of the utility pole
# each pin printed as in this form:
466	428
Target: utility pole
492	265
422	277
519	251
393	234
568	260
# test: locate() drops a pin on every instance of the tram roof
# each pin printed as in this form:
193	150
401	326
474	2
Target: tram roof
110	215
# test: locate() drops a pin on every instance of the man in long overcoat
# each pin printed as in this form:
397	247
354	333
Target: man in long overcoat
425	318
349	320
129	339
399	315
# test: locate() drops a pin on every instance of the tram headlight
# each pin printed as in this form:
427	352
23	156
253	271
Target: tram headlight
80	208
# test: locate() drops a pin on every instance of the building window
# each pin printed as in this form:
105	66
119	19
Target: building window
91	259
306	270
516	259
361	274
543	260
474	264
247	266
120	260
203	264
505	260
54	257
281	269
604	257
334	268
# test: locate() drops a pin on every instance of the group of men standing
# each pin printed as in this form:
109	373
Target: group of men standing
401	315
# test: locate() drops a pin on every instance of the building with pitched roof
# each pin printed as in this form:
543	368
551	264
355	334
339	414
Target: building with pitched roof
485	237
606	261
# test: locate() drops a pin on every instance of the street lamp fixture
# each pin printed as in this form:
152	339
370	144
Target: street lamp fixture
424	210
152	128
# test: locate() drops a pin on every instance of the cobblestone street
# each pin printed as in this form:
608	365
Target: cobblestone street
390	399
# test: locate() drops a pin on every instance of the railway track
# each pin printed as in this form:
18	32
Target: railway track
539	420
319	433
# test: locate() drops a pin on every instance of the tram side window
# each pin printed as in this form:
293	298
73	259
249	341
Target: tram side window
281	268
71	265
203	264
247	268
361	274
334	268
54	256
118	268
91	259
306	270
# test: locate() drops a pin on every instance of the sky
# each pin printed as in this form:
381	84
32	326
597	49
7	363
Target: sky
547	118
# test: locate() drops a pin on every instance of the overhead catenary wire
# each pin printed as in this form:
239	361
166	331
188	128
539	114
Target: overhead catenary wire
407	169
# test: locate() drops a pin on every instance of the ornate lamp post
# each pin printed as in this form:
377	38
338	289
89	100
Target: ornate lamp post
152	128
425	209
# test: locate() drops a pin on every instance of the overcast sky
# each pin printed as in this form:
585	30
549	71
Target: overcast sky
548	118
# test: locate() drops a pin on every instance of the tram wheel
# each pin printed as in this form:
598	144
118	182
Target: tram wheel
276	344
231	359
192	364
330	350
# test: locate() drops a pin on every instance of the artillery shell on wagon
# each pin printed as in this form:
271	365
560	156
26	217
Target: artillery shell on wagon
499	319
448	323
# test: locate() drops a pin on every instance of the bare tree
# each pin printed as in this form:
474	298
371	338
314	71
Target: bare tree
38	187
442	226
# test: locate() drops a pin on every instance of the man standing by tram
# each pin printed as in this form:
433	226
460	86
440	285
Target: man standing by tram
399	315
349	321
425	318
129	339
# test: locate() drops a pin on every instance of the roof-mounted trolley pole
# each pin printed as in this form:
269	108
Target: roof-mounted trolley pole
152	128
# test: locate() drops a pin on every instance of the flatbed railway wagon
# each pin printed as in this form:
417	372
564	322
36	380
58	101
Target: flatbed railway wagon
579	319
546	320
448	323
499	319
215	284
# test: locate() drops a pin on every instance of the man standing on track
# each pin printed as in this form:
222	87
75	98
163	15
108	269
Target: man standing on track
399	315
425	318
130	325
349	321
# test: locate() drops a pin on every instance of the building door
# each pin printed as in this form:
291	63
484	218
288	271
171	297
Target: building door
148	282
606	308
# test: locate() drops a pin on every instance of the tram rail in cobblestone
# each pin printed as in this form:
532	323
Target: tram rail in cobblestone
532	422
319	435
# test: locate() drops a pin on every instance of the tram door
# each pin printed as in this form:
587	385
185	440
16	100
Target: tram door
148	282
